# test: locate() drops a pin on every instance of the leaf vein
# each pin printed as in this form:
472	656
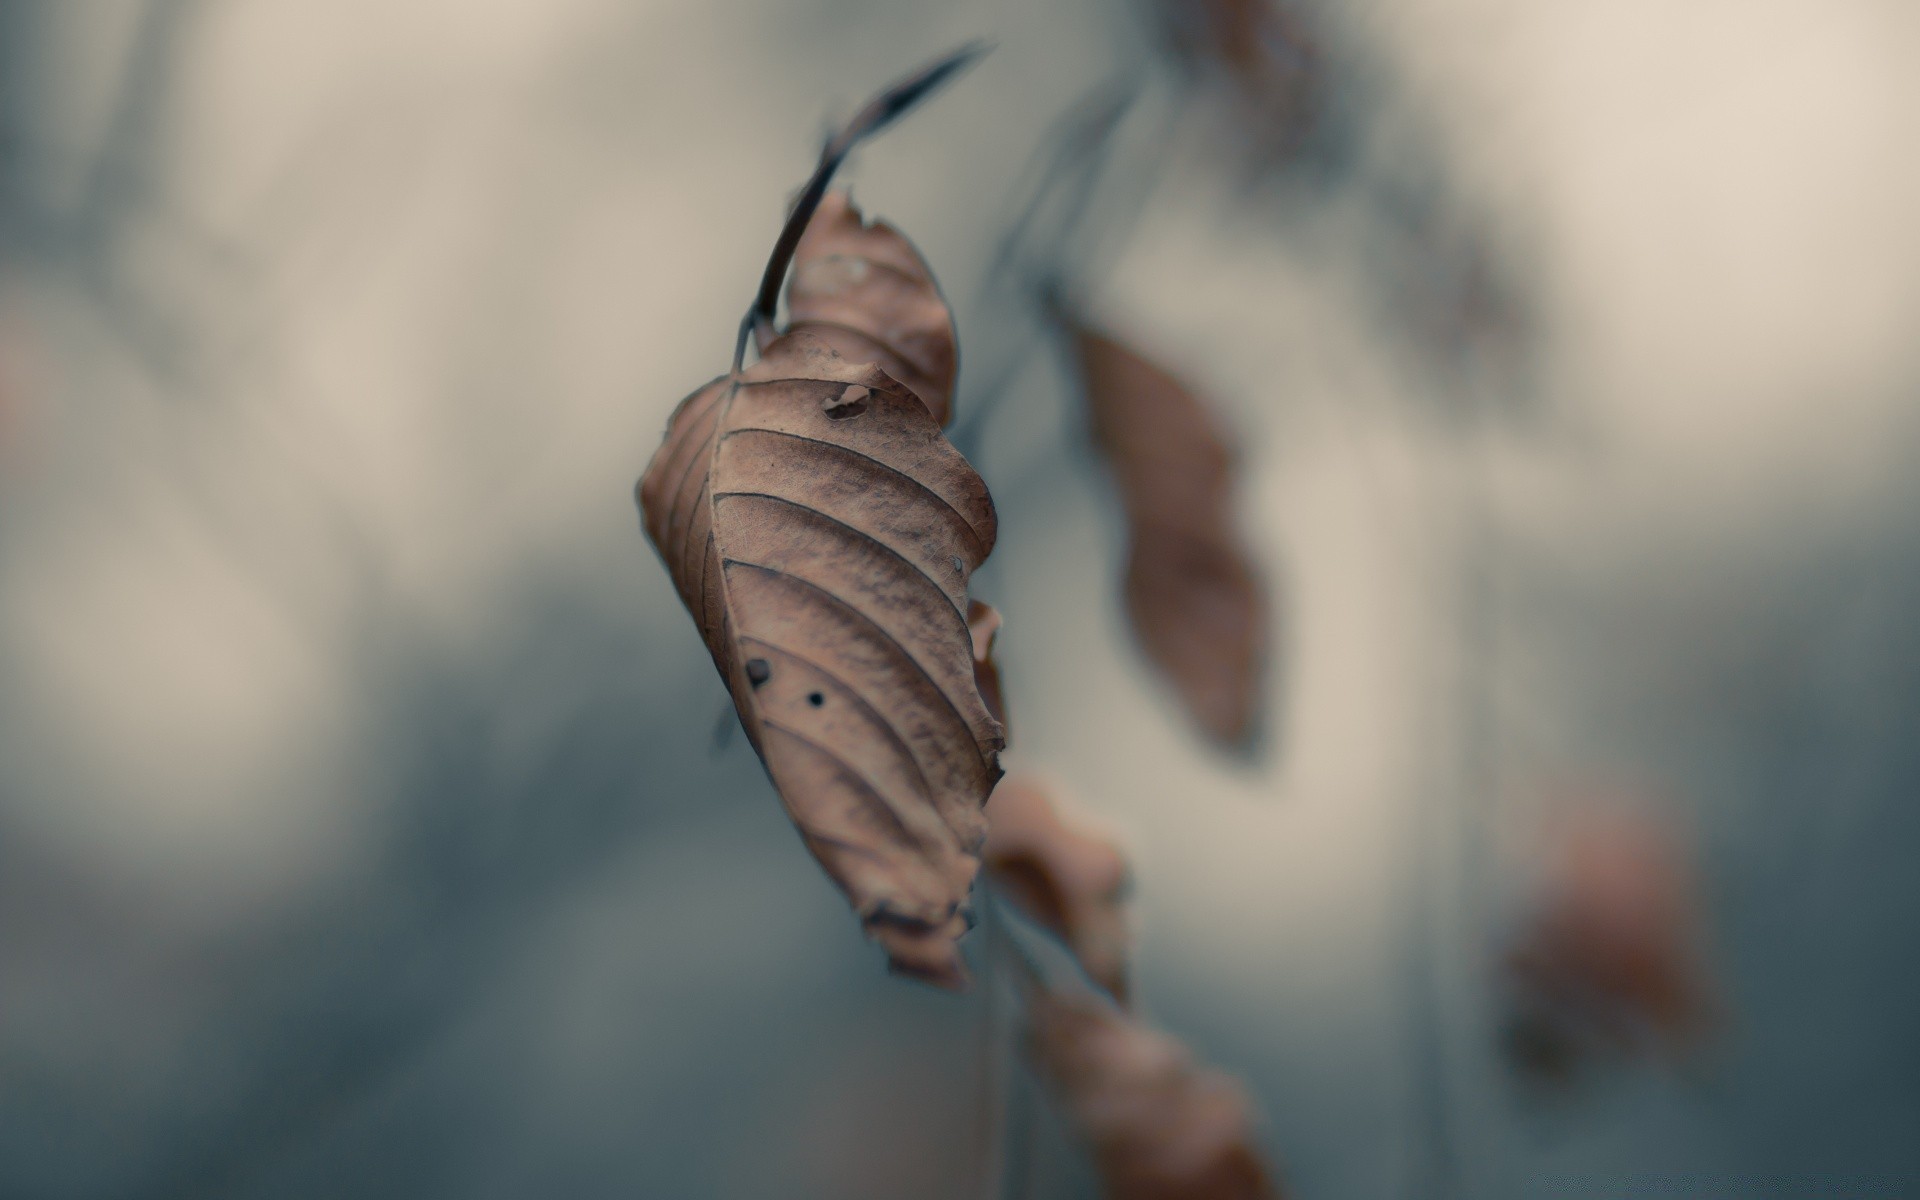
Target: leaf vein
841	682
859	778
905	653
915	567
979	538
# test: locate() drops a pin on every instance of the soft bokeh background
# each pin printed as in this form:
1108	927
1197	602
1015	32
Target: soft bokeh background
362	830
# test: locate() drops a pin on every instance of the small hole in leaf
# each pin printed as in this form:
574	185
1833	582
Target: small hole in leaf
758	672
816	699
850	401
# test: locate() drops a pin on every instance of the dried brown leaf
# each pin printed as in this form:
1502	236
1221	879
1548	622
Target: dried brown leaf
1160	1126
1195	600
822	532
866	293
1065	872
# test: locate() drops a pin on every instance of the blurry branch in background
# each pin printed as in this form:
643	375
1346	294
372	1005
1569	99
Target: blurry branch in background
1054	220
124	194
187	302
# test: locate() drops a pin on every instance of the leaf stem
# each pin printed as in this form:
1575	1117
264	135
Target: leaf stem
880	112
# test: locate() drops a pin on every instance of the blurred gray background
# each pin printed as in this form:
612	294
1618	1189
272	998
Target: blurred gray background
362	831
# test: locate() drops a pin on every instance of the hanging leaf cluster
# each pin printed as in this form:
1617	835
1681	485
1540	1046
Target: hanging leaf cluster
823	532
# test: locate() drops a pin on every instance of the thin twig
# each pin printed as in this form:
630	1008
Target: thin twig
995	1075
1015	1120
1078	140
1074	150
1075	156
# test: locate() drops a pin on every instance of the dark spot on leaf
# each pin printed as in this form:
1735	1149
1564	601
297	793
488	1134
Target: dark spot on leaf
816	699
758	672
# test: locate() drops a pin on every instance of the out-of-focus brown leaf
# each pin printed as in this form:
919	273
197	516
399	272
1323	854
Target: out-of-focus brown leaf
1612	961
1197	605
1160	1126
822	531
1065	872
983	622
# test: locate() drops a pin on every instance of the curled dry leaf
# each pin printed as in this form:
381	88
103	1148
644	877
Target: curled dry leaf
1196	603
1065	872
822	531
1611	963
1160	1126
864	292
